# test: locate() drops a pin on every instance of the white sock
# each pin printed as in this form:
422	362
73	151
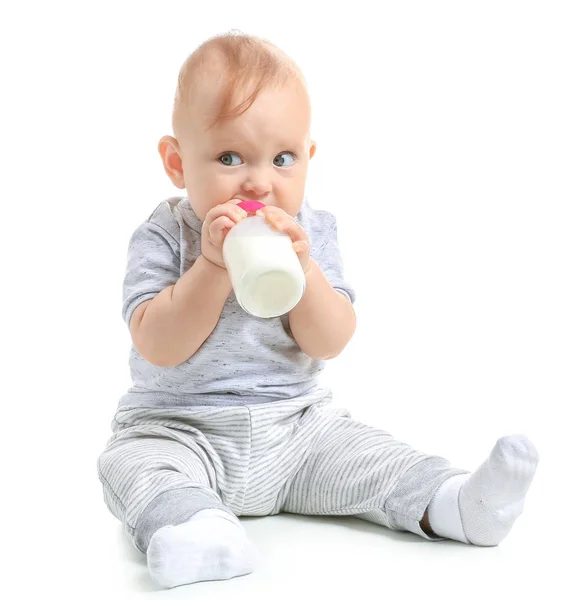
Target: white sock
480	508
211	545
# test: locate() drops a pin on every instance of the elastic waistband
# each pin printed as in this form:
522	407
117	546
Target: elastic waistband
159	399
276	410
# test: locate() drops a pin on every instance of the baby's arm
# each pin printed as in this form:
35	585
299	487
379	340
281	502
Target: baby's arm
172	326
324	321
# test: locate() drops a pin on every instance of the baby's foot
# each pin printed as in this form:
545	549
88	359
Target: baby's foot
493	496
212	545
490	499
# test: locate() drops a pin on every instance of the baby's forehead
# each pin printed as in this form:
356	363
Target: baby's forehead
223	78
279	115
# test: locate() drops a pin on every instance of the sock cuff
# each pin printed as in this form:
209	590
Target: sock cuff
220	513
172	508
444	510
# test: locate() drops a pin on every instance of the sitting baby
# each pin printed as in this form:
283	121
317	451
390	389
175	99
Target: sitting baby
225	416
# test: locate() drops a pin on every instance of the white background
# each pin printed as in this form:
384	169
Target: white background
451	147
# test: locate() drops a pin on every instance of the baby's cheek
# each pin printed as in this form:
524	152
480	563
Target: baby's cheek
289	198
208	195
223	188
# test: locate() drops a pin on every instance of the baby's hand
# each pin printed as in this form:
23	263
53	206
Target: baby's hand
216	225
282	221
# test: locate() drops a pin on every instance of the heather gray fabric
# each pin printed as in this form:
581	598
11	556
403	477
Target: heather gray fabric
246	360
303	456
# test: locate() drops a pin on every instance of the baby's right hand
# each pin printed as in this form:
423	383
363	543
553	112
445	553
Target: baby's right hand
216	225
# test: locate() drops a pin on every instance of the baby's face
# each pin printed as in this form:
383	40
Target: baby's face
261	155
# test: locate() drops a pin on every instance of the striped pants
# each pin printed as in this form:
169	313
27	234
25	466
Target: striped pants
303	456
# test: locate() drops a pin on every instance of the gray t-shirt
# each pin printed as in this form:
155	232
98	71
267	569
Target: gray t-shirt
246	359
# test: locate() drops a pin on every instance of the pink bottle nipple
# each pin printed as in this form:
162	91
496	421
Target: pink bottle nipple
250	206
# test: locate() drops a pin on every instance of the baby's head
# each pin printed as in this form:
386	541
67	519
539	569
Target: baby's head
241	123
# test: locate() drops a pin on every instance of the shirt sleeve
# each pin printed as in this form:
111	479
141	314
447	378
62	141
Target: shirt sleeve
329	258
153	264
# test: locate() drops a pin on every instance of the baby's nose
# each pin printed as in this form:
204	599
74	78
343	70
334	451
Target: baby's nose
257	182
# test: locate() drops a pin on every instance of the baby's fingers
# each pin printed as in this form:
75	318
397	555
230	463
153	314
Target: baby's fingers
288	225
218	230
228	209
301	246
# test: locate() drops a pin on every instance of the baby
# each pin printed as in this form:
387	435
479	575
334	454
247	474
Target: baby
225	416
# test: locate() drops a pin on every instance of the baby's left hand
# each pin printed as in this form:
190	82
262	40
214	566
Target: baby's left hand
281	221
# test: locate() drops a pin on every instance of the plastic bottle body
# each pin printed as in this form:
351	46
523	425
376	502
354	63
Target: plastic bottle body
264	270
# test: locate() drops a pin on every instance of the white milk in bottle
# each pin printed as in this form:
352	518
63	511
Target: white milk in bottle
264	270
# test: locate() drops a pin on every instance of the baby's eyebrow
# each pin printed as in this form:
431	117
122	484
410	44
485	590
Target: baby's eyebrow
224	141
287	144
228	142
231	144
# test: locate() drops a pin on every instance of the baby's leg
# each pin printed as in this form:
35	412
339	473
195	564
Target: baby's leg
481	508
158	482
355	469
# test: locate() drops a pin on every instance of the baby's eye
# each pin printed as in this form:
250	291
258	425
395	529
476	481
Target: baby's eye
230	159
285	159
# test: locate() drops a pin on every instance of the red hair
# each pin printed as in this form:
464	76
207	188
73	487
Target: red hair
240	63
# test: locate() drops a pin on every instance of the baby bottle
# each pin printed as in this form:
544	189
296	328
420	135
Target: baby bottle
264	270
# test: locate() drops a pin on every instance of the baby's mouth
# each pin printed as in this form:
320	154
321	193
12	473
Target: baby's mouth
250	199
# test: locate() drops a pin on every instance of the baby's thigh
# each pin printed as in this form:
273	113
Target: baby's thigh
350	468
140	464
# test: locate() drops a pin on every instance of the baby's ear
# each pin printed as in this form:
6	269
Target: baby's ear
312	147
172	162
